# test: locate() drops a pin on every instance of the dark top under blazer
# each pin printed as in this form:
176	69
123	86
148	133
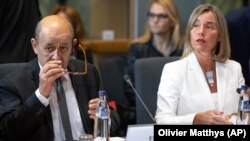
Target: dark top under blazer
24	117
144	50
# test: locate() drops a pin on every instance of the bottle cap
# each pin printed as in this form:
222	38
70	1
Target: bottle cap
243	88
102	93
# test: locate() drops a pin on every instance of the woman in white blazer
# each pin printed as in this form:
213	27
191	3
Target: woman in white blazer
201	87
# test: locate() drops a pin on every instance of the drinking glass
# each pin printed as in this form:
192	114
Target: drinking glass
86	137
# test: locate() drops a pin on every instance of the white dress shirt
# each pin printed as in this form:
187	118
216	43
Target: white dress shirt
73	109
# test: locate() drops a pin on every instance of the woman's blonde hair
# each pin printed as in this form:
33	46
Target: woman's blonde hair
222	51
173	14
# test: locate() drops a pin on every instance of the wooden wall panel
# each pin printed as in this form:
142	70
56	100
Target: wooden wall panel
109	15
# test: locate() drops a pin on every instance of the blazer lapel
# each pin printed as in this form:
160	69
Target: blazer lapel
221	75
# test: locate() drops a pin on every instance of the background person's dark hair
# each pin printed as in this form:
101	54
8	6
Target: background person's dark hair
74	18
62	2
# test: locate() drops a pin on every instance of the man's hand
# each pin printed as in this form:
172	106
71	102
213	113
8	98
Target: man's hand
248	92
47	76
92	107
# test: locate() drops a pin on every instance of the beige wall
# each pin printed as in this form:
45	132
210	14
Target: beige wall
109	15
131	19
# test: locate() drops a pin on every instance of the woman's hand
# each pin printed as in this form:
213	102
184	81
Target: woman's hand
211	117
248	92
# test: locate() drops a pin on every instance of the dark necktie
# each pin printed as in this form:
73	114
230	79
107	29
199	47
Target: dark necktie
61	98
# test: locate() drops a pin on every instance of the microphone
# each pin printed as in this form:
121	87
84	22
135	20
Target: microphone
128	80
243	90
238	90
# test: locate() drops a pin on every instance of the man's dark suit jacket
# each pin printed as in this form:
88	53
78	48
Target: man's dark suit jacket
24	117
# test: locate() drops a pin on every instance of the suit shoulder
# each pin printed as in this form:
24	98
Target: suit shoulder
177	67
233	63
233	66
177	64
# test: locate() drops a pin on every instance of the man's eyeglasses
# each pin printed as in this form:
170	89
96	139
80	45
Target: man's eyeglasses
85	69
159	16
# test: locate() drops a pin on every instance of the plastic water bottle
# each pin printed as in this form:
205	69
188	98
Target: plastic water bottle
243	107
102	120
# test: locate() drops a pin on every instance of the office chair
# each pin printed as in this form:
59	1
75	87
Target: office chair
249	68
111	71
9	67
147	78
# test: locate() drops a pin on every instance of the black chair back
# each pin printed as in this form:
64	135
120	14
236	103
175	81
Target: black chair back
9	67
112	71
249	68
147	78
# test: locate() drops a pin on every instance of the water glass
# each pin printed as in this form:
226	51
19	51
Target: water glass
86	137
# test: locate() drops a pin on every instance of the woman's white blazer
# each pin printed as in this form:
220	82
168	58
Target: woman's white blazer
183	90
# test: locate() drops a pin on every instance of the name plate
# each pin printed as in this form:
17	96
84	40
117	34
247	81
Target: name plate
140	132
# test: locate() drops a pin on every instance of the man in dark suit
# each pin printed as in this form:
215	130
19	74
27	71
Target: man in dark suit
239	30
28	102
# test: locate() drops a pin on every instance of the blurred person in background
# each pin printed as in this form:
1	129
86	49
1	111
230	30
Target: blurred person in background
74	18
17	26
162	38
239	29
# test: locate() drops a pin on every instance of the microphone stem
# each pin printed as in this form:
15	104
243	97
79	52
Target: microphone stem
142	101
